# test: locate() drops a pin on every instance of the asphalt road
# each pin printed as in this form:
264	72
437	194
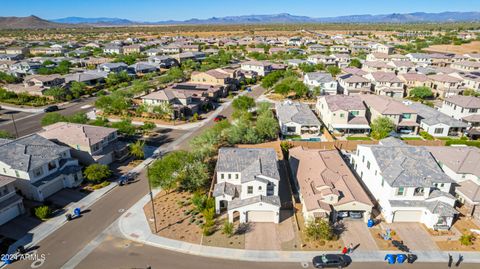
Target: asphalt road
72	237
116	252
29	124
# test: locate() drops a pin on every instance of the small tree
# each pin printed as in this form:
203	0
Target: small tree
243	103
137	149
421	92
319	229
381	127
97	173
43	212
228	228
5	134
194	176
467	239
124	126
355	63
334	70
51	118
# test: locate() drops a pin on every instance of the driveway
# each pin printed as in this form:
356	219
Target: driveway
414	236
270	236
356	232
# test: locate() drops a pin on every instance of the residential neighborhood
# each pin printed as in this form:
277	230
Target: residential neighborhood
156	140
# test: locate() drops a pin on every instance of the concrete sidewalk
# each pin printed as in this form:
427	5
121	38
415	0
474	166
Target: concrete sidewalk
134	226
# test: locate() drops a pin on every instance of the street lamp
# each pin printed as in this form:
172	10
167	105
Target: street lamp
151	198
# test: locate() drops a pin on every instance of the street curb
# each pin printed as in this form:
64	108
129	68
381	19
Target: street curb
140	232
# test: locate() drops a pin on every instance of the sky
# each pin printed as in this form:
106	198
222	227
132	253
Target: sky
159	10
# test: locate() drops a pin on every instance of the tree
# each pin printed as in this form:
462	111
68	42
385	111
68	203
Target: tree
470	92
381	127
51	118
319	229
334	70
148	126
194	176
300	89
7	78
57	93
227	228
166	172
243	103
124	126
137	149
77	89
267	127
270	79
97	173
355	63
79	117
421	92
117	78
43	212
306	67
6	135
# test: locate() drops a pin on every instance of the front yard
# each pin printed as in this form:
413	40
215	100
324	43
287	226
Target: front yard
378	232
463	226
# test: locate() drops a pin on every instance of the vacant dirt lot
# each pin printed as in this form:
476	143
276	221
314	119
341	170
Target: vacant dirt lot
472	47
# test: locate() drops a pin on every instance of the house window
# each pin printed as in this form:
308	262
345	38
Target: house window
342	115
406	115
37	172
383	182
229	176
4	170
250	189
236	176
52	165
17	174
368	164
441	185
259	188
401	191
375	172
361	174
222	176
438	130
419	191
363	159
355	113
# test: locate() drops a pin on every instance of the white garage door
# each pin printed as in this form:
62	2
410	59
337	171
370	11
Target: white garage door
9	214
52	188
260	216
407	216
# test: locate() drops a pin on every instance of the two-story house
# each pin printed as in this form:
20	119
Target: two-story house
326	186
113	49
465	108
258	67
386	83
247	182
323	80
444	86
406	182
297	118
11	204
403	117
89	144
350	84
112	67
39	166
343	114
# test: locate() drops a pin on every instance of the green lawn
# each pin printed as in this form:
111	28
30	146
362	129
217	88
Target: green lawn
358	138
412	138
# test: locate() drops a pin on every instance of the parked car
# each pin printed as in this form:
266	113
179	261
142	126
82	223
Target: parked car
356	215
342	214
219	118
329	261
127	178
51	109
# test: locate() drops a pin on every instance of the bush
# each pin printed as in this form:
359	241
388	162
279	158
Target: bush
426	135
228	228
466	239
43	212
97	173
319	229
463	142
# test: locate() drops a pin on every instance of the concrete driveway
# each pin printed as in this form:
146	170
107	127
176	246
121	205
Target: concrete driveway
356	232
414	236
269	236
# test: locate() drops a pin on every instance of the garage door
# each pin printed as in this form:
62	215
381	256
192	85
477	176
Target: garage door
407	216
52	188
260	216
9	214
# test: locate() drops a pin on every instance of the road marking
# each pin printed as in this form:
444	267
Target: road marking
86	106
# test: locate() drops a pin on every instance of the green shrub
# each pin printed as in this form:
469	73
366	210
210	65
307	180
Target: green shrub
426	135
228	228
463	142
43	212
466	239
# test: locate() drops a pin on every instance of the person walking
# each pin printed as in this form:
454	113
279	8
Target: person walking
450	260
344	250
350	248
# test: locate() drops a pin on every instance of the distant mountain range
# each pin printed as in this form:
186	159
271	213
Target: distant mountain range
33	22
290	19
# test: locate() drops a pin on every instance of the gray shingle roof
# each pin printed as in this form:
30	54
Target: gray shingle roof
296	112
251	163
237	203
321	77
435	207
29	152
226	188
407	166
431	116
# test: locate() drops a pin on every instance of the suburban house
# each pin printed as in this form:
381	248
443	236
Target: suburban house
141	68
343	114
461	164
407	183
412	80
467	66
88	143
465	108
113	49
112	67
342	59
90	78
130	49
297	118
11	204
350	84
316	49
444	85
377	66
219	77
247	182
45	81
39	167
402	67
385	83
326	186
46	51
322	59
258	67
163	61
436	123
382	48
17	50
420	59
404	118
323	80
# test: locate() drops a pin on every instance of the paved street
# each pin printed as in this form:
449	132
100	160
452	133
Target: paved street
75	235
116	252
27	124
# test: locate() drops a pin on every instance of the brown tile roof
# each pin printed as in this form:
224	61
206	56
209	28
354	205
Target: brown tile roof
76	134
464	101
462	160
470	189
386	105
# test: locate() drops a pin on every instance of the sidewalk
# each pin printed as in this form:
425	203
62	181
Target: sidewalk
134	226
46	228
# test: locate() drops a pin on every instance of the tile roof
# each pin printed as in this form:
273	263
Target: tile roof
469	189
343	102
464	101
76	134
385	105
237	203
431	116
462	160
296	112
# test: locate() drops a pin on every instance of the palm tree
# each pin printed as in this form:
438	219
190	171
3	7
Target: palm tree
136	149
